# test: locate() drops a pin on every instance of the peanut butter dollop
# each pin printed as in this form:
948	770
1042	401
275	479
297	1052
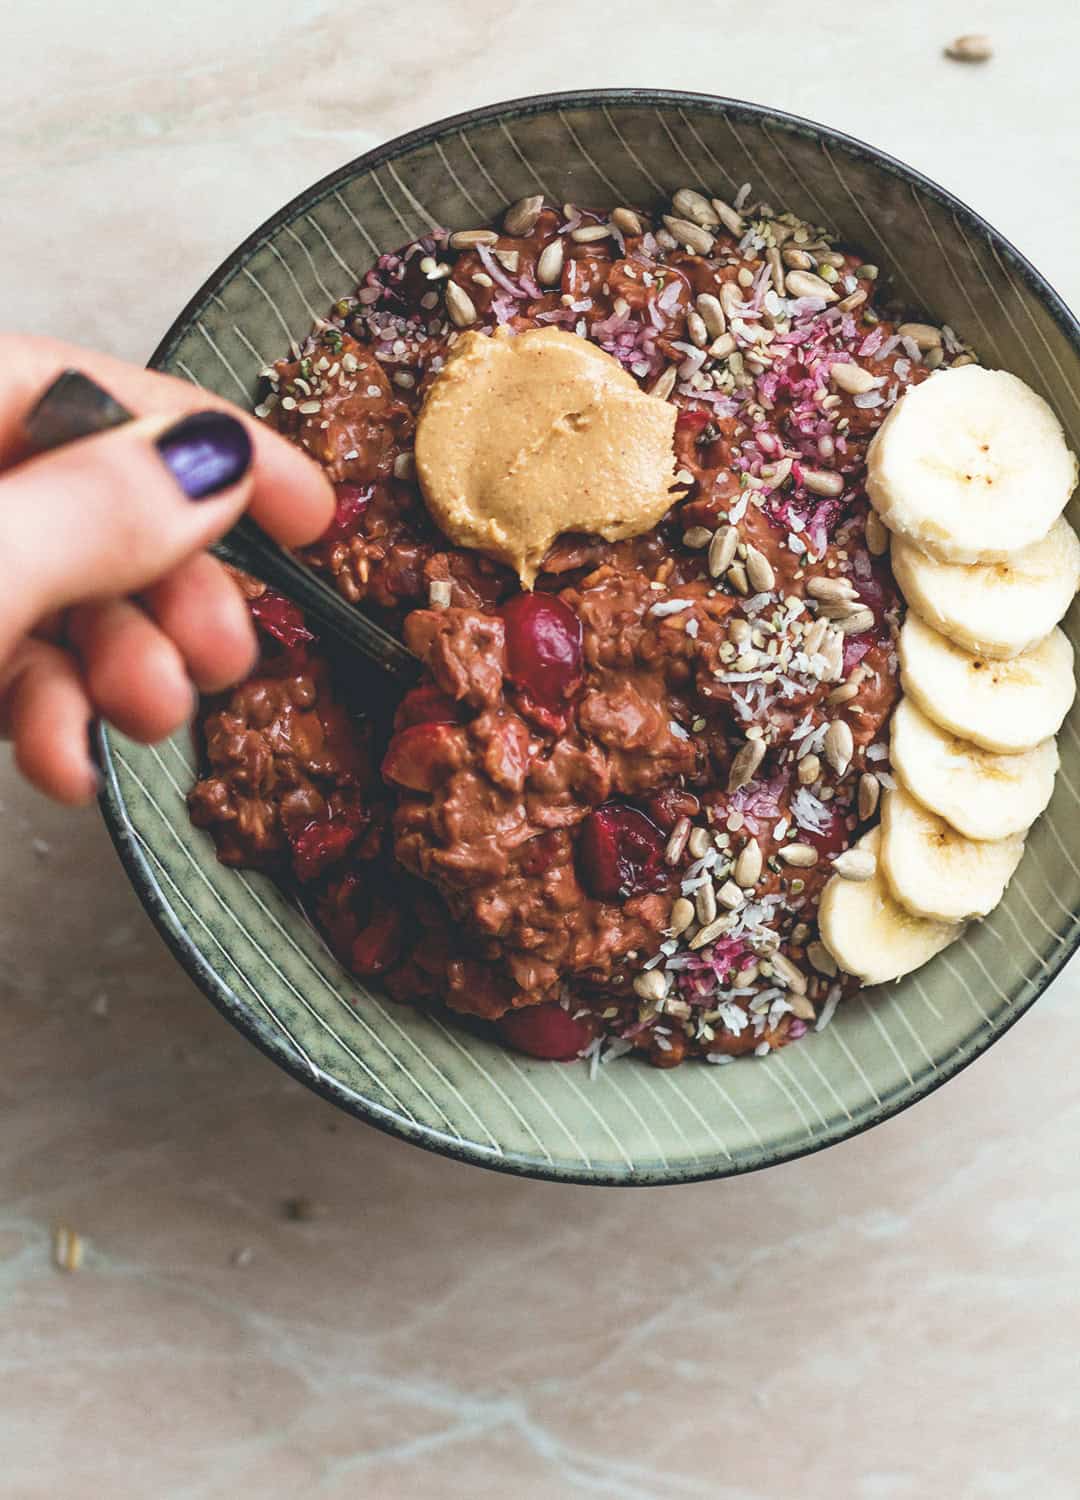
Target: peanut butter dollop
524	437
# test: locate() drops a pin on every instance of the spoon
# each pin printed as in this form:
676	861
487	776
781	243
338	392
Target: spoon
75	407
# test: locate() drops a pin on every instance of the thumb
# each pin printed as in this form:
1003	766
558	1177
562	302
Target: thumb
111	514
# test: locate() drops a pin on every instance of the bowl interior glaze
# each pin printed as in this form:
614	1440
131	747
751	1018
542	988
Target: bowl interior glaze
441	1087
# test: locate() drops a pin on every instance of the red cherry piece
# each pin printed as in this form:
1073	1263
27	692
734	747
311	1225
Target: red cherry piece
426	704
322	842
545	1031
280	618
543	648
424	755
692	419
539	854
832	838
352	501
668	806
620	853
379	944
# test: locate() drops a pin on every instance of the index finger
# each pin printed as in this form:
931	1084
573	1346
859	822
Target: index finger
292	498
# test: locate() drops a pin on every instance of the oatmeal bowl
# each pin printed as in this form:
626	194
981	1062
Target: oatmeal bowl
715	468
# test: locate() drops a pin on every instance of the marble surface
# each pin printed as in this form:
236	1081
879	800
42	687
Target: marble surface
895	1319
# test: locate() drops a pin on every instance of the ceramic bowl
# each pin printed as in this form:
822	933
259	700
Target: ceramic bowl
441	1087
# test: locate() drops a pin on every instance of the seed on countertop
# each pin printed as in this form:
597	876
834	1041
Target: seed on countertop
869	793
789	974
851	378
698	842
697	537
696	239
627	221
809	770
520	218
664	384
806	284
855	624
705	903
732	221
823	482
682	914
695	327
549	267
466	239
589	234
926	336
722	550
692	206
730	896
830	588
67	1248
801	856
972	48
877	535
855	864
745	765
459	305
759	571
839	745
747	870
820	958
712	314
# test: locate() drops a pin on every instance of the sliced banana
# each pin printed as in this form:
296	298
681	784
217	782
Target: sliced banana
994	609
935	872
983	795
1005	706
870	934
971	464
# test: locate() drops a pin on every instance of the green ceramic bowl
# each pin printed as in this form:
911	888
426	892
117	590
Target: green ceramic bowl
256	957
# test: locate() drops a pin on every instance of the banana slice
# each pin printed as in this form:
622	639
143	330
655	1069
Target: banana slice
994	609
970	464
983	795
1005	706
935	872
869	933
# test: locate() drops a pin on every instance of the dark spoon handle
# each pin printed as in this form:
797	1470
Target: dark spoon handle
75	407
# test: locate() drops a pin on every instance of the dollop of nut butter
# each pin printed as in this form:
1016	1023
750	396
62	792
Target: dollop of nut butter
523	437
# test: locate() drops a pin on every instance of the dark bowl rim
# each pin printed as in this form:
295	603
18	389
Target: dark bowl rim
160	909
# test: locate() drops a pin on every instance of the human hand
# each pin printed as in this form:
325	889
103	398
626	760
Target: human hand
109	604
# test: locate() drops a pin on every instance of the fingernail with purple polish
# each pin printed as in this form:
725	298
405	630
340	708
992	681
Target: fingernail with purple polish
206	453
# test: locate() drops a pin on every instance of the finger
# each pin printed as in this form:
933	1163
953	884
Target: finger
47	713
134	675
201	610
112	514
292	498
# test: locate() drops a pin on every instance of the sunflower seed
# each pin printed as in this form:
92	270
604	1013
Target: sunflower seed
974	48
747	870
459	305
852	300
722	550
839	609
809	770
776	268
855	864
705	903
926	336
869	793
814	638
744	978
843	694
732	221
934	358
851	378
823	482
820	958
695	327
697	537
723	346
759	571
550	265
839	745
520	218
798	260
802	1007
698	842
465	239
589	234
627	221
730	896
67	1248
736	576
806	284
855	624
676	843
696	239
877	536
692	206
778	474
712	314
682	914
739	631
745	765
789	974
801	856
830	588
664	383
731	298
651	985
712	932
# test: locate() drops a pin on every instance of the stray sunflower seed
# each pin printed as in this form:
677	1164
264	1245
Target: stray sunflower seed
974	48
520	218
459	305
855	864
627	221
589	234
839	745
820	958
732	221
722	550
801	856
466	239
67	1247
745	765
692	206
696	239
549	267
869	793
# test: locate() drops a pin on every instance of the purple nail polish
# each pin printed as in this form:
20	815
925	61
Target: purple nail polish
206	452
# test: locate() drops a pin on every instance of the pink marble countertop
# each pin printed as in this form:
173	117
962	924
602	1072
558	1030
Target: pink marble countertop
893	1320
